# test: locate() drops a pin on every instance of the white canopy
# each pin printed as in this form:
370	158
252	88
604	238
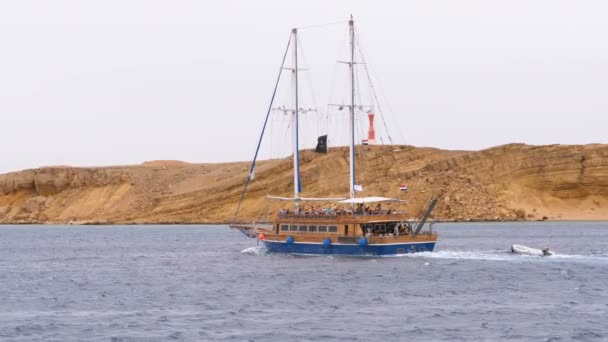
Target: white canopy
305	199
339	199
370	199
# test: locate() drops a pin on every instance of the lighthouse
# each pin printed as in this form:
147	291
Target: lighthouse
371	132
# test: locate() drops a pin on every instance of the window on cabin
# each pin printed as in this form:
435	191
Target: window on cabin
293	228
380	228
284	228
302	229
312	228
333	229
322	228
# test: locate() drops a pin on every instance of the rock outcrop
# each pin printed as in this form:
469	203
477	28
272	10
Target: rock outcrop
507	182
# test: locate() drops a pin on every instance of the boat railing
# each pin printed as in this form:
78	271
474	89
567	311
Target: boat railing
392	235
337	213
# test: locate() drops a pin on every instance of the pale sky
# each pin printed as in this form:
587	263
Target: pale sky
120	82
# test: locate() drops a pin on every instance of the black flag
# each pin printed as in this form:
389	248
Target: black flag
321	144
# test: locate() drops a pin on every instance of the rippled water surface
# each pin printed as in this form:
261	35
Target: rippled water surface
208	283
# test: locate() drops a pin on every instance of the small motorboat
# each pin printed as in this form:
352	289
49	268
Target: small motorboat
525	250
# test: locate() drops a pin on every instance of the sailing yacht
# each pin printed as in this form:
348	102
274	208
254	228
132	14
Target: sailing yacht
349	226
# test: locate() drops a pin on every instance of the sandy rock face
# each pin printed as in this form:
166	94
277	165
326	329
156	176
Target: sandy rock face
16	181
54	180
33	204
46	181
503	183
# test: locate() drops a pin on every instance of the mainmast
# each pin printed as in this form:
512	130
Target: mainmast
351	65
296	153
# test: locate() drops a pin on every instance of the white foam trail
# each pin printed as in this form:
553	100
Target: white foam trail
463	255
490	255
258	250
504	255
580	258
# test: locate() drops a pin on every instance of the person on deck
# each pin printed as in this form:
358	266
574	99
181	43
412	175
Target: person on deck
378	209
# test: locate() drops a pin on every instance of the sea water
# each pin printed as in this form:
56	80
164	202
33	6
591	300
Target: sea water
209	283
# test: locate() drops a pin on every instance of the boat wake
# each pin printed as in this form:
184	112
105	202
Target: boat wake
258	250
464	255
488	255
506	255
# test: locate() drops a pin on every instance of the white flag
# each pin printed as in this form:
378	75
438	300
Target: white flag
358	187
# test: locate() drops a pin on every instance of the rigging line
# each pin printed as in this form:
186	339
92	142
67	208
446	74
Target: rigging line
287	132
322	25
261	187
359	112
271	129
371	84
309	78
332	87
276	86
341	121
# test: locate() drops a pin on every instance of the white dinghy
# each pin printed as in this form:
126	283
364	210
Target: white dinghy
525	250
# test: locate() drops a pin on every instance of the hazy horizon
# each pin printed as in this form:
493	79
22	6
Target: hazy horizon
122	82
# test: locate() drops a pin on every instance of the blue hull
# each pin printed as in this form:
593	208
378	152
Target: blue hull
347	249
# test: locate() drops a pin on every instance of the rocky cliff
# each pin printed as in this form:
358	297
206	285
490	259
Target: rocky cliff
503	183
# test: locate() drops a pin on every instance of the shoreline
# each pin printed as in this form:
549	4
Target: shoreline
224	223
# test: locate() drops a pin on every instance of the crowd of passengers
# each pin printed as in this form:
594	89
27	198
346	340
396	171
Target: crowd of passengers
396	230
360	209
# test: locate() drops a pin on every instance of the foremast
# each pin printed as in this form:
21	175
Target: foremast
351	66
297	188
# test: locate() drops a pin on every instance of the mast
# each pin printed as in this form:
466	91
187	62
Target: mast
296	154
351	65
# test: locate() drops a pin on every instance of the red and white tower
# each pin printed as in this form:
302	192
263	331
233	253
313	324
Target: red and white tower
371	133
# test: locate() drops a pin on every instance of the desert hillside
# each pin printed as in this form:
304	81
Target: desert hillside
508	182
